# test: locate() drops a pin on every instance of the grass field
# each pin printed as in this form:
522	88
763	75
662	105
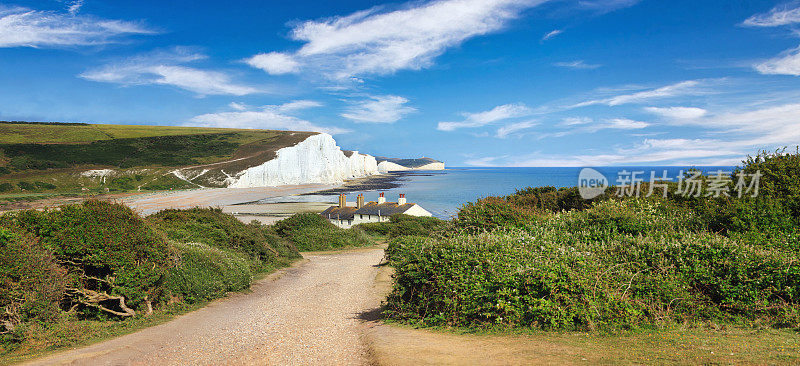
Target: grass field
21	133
50	157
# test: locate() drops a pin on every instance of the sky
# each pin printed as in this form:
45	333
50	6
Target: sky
469	82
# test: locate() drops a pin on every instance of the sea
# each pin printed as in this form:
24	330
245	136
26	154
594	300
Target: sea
443	192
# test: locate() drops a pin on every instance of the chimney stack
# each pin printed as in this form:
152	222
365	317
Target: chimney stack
360	201
381	198
402	199
342	201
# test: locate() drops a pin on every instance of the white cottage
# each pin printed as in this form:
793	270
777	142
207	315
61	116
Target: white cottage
346	216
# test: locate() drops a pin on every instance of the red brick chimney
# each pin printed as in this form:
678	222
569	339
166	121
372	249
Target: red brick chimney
360	201
342	201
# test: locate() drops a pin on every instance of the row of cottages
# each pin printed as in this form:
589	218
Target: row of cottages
345	214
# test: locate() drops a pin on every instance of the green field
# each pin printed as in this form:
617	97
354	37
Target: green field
20	133
50	157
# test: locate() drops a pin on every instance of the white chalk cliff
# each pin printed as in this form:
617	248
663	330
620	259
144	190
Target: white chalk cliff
388	166
317	159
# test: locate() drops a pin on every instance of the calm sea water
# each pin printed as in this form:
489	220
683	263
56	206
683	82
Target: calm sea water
443	192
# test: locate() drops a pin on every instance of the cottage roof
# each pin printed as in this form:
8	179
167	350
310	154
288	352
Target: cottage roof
341	213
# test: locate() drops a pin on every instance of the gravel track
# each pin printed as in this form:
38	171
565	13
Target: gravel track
309	314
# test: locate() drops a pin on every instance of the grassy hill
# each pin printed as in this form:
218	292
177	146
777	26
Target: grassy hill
38	157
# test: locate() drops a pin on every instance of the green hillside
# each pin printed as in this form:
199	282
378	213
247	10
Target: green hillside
60	157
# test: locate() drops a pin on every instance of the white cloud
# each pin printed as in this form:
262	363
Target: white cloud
274	63
164	68
736	134
379	109
579	64
23	27
783	15
574	121
499	113
690	87
75	6
621	124
383	42
513	128
272	117
787	64
678	112
552	34
238	106
297	105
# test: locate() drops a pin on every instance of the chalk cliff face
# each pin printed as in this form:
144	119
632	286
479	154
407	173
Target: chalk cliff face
388	166
317	159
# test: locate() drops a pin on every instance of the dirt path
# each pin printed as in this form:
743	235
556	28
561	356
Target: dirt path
310	314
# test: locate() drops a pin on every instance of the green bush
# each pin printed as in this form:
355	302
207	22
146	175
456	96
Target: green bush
44	185
31	281
4	170
401	224
6	187
203	272
540	280
26	186
310	232
212	227
106	247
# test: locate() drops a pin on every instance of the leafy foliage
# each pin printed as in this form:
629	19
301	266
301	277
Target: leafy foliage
310	231
401	224
216	229
540	259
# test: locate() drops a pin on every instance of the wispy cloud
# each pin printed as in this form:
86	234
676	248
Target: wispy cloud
781	15
690	87
23	27
75	6
678	112
167	68
374	41
551	34
579	64
379	109
786	64
496	114
736	134
514	128
271	117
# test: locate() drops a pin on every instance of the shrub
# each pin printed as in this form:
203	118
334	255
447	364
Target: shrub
6	187
541	280
401	224
106	247
310	231
217	229
4	170
44	185
203	272
31	281
491	213
26	186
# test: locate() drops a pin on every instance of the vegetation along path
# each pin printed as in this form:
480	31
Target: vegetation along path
308	314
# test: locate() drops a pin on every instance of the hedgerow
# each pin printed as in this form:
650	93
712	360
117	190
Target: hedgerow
310	232
401	225
217	229
540	259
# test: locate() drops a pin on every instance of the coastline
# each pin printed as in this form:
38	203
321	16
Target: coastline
383	181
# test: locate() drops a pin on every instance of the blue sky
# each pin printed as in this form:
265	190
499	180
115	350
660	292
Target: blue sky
469	82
